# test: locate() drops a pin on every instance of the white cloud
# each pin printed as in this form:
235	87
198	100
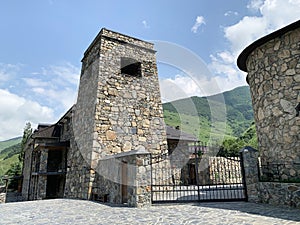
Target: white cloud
226	56
66	72
244	32
183	86
63	98
57	85
255	4
228	76
177	88
229	13
35	82
272	15
39	97
144	22
15	111
7	71
199	21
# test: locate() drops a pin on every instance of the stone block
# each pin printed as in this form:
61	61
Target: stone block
111	135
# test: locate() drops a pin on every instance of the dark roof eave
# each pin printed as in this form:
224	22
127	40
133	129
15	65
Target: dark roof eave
241	61
182	139
174	134
67	114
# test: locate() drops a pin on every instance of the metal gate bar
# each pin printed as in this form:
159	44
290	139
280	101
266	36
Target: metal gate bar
222	180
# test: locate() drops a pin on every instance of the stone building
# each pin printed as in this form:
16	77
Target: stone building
101	148
273	68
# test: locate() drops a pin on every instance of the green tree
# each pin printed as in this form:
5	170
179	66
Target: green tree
15	169
231	147
26	135
13	172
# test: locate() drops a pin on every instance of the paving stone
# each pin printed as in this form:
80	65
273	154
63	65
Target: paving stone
68	211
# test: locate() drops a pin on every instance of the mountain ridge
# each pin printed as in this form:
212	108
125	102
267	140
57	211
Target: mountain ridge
9	142
194	112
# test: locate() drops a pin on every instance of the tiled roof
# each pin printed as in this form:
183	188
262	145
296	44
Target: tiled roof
44	132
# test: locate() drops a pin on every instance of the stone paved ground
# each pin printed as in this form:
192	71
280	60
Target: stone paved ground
67	211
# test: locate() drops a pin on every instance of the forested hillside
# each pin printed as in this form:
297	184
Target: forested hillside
10	142
9	151
196	112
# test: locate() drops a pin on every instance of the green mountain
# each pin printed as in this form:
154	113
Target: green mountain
10	142
211	117
9	151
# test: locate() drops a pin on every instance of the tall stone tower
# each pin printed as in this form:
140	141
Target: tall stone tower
119	107
273	67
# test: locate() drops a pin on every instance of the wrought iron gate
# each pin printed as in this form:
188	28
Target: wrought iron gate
199	178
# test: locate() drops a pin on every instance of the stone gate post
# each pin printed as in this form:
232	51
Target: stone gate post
249	158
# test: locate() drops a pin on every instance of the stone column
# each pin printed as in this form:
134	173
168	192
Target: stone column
249	158
143	180
42	182
43	161
138	181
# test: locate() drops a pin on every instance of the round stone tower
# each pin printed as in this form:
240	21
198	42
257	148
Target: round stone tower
273	67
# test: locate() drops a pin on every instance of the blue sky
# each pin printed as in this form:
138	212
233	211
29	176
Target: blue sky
43	41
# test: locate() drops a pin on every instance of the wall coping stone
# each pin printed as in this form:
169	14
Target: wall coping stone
102	34
140	151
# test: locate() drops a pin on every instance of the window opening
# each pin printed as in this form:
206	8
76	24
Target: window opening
130	67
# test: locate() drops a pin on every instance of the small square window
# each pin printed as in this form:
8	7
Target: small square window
130	67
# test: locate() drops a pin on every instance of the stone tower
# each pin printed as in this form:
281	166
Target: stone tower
273	67
119	98
119	109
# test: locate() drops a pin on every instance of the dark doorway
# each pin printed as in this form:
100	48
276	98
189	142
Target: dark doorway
55	173
55	184
192	174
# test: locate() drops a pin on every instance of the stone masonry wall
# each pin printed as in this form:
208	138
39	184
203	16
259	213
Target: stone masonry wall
78	174
129	113
78	178
130	171
274	193
280	193
274	79
115	112
26	172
